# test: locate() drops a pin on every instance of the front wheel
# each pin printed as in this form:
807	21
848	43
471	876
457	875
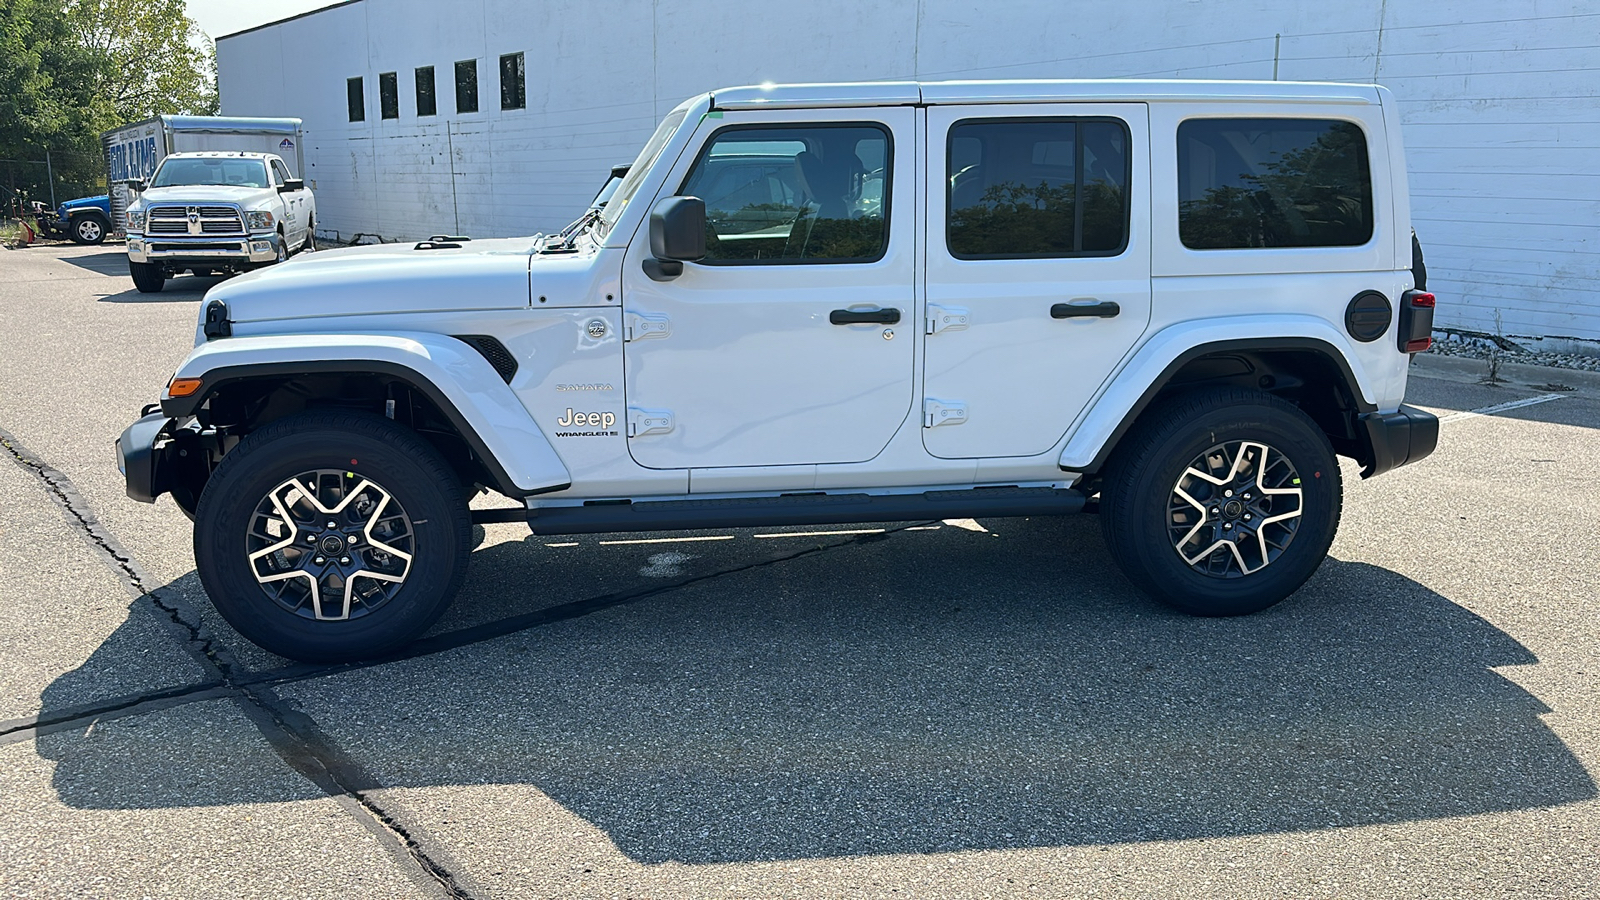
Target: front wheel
147	277
1222	502
329	536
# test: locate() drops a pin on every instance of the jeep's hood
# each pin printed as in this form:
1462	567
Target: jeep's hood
102	202
205	193
383	278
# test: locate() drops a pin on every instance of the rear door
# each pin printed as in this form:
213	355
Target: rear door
1038	280
794	341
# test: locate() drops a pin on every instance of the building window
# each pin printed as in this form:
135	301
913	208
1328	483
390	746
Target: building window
1037	188
467	86
1245	183
358	100
512	93
426	105
388	95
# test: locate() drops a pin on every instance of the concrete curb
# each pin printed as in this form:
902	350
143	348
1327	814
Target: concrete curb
1518	375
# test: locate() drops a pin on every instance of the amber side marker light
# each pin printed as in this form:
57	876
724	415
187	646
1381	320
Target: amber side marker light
183	387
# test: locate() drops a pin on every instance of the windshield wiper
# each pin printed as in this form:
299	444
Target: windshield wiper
567	238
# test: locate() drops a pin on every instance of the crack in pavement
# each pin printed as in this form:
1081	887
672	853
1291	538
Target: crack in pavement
294	736
304	748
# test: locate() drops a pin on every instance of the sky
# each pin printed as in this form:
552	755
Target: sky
219	17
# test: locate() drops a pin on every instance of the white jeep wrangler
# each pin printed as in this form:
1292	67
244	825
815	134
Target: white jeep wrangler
1170	302
215	213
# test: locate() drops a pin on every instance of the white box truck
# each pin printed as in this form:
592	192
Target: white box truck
133	151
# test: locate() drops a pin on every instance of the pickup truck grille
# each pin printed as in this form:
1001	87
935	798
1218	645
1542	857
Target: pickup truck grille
212	220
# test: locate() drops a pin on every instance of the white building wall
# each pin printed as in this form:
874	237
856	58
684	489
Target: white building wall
1501	104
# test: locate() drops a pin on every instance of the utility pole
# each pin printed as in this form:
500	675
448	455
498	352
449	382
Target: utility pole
50	173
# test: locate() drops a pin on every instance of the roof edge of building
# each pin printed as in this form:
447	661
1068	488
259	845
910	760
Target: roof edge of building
309	12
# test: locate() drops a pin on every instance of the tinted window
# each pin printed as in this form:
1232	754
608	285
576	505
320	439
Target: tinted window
426	104
1273	183
467	86
795	193
1029	188
356	96
512	92
280	174
388	95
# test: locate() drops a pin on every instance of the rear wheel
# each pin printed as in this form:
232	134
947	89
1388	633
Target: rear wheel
309	245
1222	502
89	229
332	536
147	277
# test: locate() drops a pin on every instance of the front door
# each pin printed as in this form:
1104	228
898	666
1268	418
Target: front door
793	341
1038	245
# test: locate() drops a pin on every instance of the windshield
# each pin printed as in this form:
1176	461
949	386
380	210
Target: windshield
640	168
211	170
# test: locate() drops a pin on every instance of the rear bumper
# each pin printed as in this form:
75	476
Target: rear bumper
1403	436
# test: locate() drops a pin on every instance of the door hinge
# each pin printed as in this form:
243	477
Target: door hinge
638	327
946	318
648	421
942	412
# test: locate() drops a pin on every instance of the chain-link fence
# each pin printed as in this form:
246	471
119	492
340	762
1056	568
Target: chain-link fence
52	177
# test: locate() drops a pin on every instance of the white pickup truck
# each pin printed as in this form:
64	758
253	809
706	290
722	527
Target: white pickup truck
216	213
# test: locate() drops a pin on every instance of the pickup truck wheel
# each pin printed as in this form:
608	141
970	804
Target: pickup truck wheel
89	229
331	536
1222	502
309	245
147	277
283	248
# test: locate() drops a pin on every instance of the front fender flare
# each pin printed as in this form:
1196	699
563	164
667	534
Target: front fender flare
456	378
1119	404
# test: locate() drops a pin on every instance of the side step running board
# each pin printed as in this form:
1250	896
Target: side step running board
792	509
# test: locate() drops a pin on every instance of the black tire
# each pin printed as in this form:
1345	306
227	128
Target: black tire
309	245
147	277
1144	517
89	229
354	445
283	247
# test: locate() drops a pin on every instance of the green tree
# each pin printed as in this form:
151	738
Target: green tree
73	69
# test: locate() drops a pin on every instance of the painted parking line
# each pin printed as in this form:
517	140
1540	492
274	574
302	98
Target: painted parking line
1501	407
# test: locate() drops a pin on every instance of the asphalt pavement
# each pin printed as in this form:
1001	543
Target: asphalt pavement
925	709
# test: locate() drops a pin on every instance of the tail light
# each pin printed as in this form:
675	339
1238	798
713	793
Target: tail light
1416	321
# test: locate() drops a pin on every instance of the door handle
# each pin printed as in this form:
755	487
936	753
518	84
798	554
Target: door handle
890	316
1103	309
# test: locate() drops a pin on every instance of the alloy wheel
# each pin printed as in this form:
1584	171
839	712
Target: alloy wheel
1235	509
330	545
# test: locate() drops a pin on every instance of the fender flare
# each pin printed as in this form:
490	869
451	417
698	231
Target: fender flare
1131	390
451	374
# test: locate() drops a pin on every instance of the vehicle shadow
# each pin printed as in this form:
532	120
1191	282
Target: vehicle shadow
892	696
111	261
183	289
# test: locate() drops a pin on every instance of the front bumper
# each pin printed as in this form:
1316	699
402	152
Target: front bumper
139	458
1403	436
181	251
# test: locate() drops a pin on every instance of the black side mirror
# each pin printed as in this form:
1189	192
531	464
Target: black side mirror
137	185
677	234
292	184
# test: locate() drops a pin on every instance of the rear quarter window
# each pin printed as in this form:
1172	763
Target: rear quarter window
1266	183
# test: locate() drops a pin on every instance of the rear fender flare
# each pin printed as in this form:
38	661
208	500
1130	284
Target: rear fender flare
456	378
1132	389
